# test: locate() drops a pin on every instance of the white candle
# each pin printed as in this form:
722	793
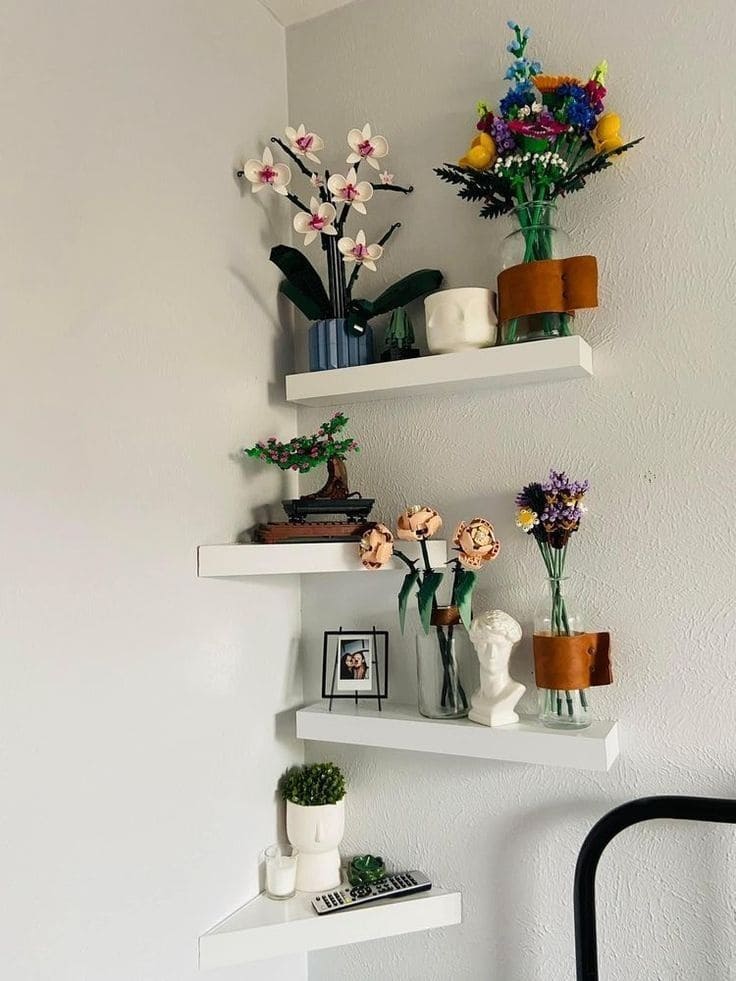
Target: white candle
280	872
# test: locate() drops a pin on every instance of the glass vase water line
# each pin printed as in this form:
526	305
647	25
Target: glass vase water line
557	616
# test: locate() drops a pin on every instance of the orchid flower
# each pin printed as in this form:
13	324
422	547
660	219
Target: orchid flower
304	144
366	147
386	178
318	222
357	251
350	190
316	181
265	173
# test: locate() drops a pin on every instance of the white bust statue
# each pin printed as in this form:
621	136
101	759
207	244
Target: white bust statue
494	634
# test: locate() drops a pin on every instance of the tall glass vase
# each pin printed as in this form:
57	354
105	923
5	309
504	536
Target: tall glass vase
558	616
445	662
536	236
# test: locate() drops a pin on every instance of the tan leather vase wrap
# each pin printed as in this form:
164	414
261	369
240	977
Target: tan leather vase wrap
548	286
567	663
445	616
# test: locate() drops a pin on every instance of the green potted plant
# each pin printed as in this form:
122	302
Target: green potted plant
315	822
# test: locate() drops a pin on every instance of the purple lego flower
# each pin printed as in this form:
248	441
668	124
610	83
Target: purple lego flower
502	135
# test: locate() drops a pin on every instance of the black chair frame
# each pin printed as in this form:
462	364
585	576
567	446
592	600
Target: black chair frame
712	809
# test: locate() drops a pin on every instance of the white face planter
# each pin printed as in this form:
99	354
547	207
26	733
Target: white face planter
316	832
460	319
494	635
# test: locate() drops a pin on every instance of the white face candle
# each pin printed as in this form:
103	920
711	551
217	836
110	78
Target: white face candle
280	871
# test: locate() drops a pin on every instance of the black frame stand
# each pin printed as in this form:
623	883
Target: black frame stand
357	695
712	809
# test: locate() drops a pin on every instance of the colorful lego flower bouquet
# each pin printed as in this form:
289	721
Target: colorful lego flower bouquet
547	136
476	546
333	199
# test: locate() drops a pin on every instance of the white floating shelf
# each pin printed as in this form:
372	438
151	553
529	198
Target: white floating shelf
272	560
556	359
269	928
401	727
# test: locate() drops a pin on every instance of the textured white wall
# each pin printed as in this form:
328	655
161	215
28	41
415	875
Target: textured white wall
654	432
139	750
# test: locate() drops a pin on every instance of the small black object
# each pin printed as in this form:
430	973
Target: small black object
400	353
354	508
713	809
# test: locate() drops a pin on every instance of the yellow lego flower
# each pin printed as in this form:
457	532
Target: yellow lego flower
481	154
607	134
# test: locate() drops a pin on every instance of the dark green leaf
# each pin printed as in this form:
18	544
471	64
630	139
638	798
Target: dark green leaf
300	272
464	595
362	308
480	185
494	209
309	307
409	288
408	584
426	595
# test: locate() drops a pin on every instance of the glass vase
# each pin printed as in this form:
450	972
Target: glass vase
535	236
445	661
557	615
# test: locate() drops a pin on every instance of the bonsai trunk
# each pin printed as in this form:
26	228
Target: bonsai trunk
336	488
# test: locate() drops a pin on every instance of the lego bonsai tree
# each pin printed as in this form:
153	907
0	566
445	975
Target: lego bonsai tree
304	453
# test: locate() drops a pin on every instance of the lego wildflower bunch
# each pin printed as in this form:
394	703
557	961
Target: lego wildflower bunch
547	136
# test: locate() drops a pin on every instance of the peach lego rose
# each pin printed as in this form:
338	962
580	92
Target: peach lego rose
477	543
376	547
418	523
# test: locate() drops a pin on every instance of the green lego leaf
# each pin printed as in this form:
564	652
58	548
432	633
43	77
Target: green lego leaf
426	595
464	586
410	581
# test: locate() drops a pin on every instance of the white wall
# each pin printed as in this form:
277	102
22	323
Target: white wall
141	735
654	431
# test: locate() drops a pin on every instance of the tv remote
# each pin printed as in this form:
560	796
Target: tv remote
398	884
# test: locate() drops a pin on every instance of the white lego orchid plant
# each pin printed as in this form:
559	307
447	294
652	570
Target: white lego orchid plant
334	197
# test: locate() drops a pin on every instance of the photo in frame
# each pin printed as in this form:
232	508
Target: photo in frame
355	665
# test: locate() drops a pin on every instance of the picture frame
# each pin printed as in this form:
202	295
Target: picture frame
355	665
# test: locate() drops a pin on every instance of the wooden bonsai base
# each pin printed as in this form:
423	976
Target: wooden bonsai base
289	532
299	529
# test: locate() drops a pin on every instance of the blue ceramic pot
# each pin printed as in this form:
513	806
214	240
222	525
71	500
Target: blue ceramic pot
332	345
